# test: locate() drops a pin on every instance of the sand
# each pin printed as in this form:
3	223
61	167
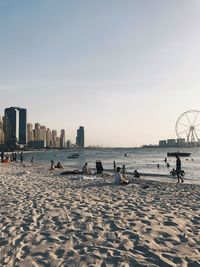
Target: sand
51	220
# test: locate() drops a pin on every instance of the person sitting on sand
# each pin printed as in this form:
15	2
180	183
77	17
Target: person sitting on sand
136	174
119	179
52	165
59	166
173	172
86	169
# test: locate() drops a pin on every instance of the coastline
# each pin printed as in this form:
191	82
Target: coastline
71	220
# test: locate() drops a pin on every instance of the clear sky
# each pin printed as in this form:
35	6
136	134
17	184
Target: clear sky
124	69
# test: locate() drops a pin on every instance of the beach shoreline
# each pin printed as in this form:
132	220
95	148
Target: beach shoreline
53	220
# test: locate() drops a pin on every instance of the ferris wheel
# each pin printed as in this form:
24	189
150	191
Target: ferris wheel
188	126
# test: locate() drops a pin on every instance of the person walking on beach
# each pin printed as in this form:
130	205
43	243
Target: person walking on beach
178	169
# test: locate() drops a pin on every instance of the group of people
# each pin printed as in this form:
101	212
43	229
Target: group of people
99	168
11	157
119	173
58	166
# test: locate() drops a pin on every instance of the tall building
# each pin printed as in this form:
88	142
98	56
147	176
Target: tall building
69	144
57	142
80	139
54	138
15	126
43	134
37	132
62	139
30	135
1	132
48	138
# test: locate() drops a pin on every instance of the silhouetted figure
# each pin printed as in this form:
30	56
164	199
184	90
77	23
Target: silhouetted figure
178	169
15	157
123	170
21	157
158	166
173	172
114	166
136	174
32	159
168	165
165	160
2	156
59	166
99	167
182	173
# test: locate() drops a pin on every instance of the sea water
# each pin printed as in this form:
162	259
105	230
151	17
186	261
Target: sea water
144	160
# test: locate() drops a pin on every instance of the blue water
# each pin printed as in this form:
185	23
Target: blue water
144	160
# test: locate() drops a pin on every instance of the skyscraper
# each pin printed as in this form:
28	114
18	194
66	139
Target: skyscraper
80	139
1	132
30	136
54	138
37	132
62	139
15	126
48	138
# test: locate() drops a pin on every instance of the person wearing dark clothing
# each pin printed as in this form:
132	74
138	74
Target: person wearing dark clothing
178	169
99	167
15	157
114	166
21	157
136	174
2	156
123	170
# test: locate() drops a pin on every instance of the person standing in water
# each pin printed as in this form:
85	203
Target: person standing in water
178	169
114	166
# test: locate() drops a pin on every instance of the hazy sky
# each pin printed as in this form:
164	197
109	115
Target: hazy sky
124	69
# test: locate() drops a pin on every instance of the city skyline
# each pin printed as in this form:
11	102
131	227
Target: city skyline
126	71
16	132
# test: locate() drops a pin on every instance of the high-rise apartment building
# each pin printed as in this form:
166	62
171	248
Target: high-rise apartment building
1	132
57	142
48	138
30	135
69	144
54	138
62	139
15	126
37	133
80	139
43	134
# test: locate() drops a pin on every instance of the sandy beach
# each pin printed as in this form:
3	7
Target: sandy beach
51	220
